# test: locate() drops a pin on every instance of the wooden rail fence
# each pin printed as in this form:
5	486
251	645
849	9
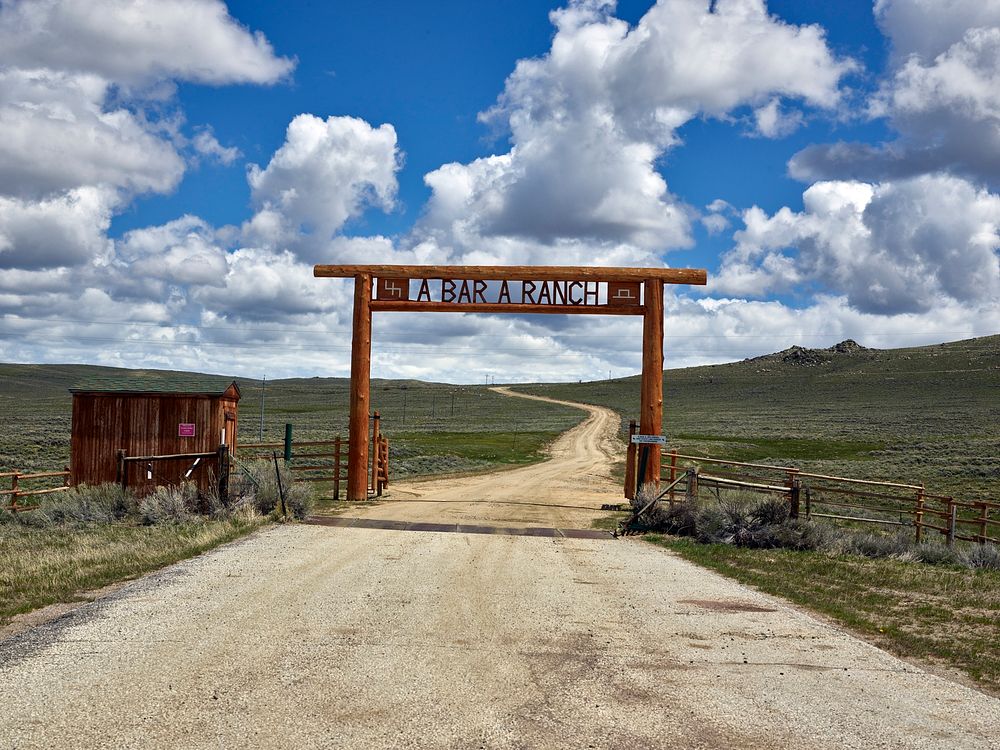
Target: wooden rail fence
324	461
814	495
18	489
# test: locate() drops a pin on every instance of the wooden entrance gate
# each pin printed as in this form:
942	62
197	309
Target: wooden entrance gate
505	289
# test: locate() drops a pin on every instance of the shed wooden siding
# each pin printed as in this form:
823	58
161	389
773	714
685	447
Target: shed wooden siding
146	424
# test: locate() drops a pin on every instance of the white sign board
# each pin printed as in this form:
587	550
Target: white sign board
649	439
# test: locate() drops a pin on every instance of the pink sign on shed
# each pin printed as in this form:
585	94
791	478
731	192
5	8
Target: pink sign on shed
185	429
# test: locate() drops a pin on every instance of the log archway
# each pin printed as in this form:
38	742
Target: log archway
505	289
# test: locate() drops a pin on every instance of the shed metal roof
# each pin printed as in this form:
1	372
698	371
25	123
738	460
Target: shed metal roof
188	385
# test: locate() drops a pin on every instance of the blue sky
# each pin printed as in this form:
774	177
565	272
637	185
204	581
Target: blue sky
171	175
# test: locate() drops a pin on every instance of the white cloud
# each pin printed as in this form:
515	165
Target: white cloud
206	144
325	173
942	96
928	28
64	230
894	247
772	122
58	132
590	119
137	41
183	251
264	285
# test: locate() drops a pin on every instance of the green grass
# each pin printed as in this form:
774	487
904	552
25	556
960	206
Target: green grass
924	414
35	409
43	566
798	449
945	616
429	452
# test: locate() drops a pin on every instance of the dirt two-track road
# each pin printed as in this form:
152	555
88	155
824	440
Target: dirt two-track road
311	636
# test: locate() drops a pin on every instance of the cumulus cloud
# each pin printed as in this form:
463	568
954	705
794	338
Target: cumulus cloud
589	120
206	144
183	251
942	96
889	248
325	173
137	41
65	230
59	132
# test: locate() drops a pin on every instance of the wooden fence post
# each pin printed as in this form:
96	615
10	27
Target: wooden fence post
336	468
222	464
288	442
808	502
630	455
13	491
385	462
691	493
983	519
376	424
122	469
673	474
952	521
793	494
918	517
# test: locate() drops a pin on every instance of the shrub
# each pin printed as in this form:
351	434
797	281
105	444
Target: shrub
257	485
171	504
981	556
103	503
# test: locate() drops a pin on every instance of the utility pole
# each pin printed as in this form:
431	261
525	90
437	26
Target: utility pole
263	384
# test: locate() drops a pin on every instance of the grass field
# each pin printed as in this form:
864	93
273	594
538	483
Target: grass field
947	616
926	414
483	428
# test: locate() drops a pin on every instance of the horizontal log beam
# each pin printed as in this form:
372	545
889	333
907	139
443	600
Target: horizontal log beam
494	307
170	457
697	276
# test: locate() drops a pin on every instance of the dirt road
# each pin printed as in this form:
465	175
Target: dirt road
566	491
316	637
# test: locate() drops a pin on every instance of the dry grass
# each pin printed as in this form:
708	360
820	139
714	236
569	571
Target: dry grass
41	566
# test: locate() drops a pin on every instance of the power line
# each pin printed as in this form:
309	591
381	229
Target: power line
567	334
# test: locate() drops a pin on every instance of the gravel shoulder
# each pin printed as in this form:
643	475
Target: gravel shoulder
311	636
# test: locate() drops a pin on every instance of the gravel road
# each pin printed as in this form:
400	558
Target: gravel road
308	636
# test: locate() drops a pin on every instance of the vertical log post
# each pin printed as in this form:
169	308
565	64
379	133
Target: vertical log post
336	468
794	493
361	356
288	442
223	465
984	517
918	517
385	462
376	424
630	462
952	522
673	473
691	492
13	491
122	469
651	404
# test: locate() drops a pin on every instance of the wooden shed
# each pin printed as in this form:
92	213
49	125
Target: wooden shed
143	420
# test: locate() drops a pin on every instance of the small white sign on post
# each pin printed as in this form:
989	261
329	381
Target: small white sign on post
649	439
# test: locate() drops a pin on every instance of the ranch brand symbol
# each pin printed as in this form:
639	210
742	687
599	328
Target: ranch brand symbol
185	429
649	439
